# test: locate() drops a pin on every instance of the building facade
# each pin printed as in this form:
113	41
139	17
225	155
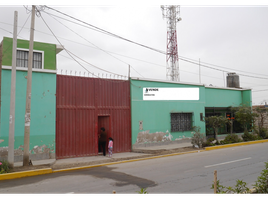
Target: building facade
43	97
67	112
166	111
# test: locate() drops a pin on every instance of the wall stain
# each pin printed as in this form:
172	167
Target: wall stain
146	136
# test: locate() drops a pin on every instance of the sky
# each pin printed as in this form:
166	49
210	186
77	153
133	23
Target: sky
227	38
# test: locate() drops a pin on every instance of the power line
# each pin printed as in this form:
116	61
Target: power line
220	69
222	66
64	47
77	56
159	51
180	58
98	47
260	90
107	32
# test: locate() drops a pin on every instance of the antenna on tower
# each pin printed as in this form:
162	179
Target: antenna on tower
172	14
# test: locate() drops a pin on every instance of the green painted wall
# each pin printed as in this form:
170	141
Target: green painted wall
216	97
43	111
49	52
155	115
43	102
247	97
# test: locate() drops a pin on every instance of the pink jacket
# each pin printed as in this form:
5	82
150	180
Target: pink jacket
110	145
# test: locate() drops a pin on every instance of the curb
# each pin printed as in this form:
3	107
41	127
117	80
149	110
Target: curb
49	170
235	144
25	174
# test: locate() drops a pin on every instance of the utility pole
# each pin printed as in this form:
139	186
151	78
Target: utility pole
10	157
28	95
223	79
128	72
199	72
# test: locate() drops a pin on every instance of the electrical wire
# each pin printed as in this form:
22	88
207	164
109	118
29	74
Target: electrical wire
70	53
17	35
97	46
107	32
65	48
219	69
181	58
221	66
260	90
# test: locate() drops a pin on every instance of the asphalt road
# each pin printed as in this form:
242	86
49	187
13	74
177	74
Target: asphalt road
182	174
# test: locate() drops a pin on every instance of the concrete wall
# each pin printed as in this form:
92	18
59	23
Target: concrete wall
155	115
43	103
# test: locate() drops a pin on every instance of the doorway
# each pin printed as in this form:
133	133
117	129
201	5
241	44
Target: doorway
103	122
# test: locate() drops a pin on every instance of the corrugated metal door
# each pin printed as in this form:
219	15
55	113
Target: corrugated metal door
82	105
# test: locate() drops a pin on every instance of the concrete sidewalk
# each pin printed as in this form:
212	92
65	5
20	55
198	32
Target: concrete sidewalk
138	152
141	153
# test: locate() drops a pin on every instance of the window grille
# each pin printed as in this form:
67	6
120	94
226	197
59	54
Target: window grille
181	122
22	59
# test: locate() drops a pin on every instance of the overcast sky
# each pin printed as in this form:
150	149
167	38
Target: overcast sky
228	38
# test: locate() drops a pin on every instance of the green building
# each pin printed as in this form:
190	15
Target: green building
167	111
43	97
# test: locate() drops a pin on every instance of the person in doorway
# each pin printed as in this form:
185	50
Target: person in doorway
102	140
110	147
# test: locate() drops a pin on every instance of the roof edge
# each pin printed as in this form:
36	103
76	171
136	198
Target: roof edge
187	83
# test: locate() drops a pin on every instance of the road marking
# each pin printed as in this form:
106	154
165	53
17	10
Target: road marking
70	193
227	162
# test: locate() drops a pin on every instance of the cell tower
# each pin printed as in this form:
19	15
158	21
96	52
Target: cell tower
172	13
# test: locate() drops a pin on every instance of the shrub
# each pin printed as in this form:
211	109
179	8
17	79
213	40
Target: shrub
4	168
197	138
248	137
245	116
231	138
142	191
261	185
263	133
240	188
209	142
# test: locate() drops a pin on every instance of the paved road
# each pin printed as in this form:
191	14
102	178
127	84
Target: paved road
182	174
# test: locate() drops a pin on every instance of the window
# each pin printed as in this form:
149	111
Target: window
181	122
22	59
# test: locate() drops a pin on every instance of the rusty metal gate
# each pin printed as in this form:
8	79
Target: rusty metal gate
85	104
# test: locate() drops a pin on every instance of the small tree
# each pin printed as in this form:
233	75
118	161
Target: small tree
244	115
216	122
261	118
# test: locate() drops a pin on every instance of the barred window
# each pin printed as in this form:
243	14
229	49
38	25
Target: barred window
22	59
181	122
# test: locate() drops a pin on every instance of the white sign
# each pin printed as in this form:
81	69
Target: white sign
150	93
